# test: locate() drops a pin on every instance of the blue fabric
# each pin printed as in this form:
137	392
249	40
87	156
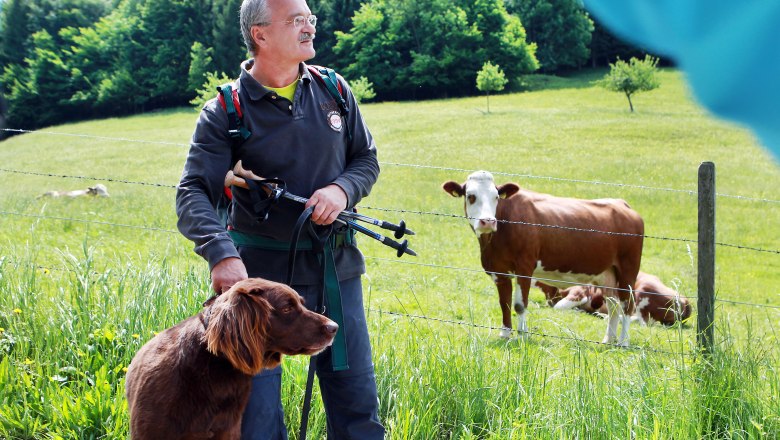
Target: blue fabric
728	49
350	397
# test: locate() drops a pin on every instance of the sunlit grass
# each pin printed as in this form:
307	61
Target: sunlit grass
85	282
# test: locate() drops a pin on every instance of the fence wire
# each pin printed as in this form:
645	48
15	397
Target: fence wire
433	167
422	317
440	168
569	228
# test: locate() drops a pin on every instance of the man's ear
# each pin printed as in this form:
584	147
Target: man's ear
454	189
507	190
258	35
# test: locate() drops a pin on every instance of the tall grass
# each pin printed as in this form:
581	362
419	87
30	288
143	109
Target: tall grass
84	283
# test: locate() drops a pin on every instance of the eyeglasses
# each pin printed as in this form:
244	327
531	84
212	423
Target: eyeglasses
298	21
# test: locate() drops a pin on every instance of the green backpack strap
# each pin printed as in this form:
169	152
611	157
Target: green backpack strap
330	80
228	99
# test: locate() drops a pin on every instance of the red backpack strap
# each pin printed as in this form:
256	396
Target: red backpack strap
232	106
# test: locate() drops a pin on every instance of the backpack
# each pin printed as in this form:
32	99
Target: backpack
228	99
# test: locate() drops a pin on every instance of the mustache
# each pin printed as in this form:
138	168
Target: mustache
306	36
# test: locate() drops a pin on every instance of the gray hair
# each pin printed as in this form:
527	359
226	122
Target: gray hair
253	12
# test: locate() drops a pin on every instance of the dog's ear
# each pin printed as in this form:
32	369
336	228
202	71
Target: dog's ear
238	328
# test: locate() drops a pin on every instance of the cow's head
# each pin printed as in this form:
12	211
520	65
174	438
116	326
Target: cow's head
98	190
481	195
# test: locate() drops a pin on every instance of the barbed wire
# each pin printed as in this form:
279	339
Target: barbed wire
464	269
428	318
593	182
98	222
529	332
171	231
88	136
103	179
528	176
435	319
511	275
570	228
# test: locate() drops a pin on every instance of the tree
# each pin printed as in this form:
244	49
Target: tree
39	91
200	60
560	28
490	79
227	42
362	89
431	48
332	16
634	76
15	40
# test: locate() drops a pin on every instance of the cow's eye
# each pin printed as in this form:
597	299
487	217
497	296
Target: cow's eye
472	199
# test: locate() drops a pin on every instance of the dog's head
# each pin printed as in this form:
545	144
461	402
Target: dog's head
256	321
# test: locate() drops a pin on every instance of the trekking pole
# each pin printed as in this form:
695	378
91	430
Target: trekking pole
400	229
344	217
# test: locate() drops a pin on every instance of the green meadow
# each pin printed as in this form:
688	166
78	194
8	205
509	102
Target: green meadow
85	282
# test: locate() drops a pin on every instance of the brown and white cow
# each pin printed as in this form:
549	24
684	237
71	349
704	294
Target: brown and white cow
583	241
655	301
97	190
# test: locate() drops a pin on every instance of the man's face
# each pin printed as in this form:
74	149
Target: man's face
284	40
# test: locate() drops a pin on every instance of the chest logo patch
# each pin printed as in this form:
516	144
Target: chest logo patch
334	120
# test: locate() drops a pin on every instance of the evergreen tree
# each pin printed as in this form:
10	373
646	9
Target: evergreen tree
39	91
200	60
228	44
16	32
332	16
161	57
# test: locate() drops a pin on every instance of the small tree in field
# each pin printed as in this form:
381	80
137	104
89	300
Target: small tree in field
634	76
490	79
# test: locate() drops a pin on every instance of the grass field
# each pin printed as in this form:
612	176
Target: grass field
85	282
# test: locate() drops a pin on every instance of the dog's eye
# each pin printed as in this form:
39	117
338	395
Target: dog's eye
287	310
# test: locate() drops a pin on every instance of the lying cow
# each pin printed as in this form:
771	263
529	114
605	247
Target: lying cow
97	190
655	302
506	220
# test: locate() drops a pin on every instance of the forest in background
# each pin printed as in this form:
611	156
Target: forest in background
66	60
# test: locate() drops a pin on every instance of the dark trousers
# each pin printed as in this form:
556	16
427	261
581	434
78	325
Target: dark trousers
349	397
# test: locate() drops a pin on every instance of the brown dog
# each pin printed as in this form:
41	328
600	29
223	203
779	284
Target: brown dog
193	380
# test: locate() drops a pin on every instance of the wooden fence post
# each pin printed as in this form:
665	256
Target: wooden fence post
706	278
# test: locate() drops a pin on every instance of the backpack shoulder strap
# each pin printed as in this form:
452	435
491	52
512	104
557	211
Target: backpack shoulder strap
228	99
328	77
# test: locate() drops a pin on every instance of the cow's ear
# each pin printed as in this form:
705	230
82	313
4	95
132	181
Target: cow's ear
507	190
453	188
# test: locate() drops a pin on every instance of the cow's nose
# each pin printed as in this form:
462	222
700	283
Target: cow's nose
330	328
487	223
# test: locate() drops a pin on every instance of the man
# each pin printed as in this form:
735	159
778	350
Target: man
297	135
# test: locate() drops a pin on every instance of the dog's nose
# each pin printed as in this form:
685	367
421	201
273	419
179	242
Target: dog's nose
330	328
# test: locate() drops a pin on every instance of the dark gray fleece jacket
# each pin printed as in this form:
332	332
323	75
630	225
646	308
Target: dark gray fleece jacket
303	142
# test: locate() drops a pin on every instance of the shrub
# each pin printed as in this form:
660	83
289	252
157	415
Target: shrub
634	76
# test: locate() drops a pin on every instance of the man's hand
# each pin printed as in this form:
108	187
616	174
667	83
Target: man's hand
226	273
328	202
